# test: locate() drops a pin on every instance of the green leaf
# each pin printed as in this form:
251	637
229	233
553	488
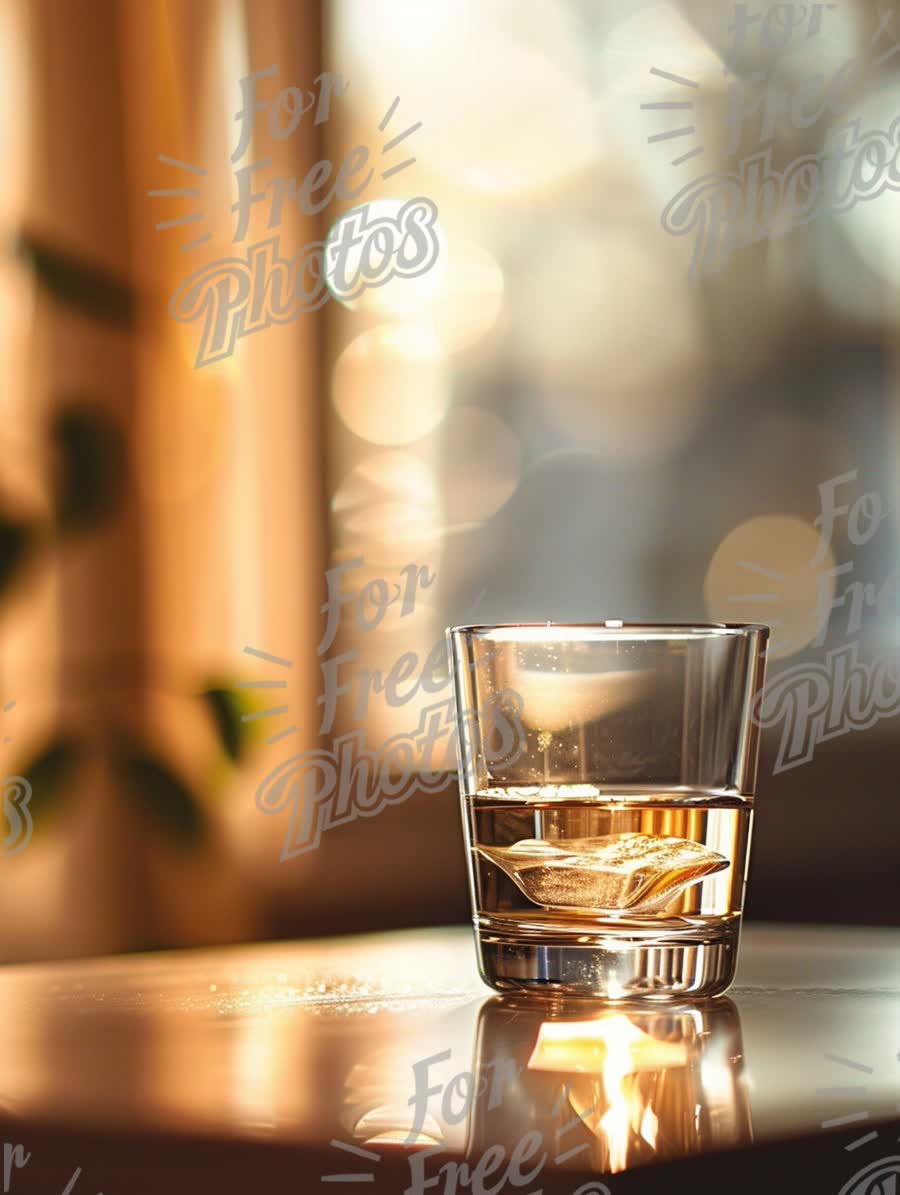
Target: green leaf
160	793
226	708
50	772
89	473
17	542
82	285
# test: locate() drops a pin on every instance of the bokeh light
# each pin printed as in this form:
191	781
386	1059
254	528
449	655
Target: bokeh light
387	508
398	296
385	476
459	298
770	569
872	224
390	384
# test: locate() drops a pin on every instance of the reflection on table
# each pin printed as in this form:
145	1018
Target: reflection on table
592	1086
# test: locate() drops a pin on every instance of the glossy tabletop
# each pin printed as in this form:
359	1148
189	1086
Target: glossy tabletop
383	1063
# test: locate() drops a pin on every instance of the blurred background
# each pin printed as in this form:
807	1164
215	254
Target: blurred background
559	420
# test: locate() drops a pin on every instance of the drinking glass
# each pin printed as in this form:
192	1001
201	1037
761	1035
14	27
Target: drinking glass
607	774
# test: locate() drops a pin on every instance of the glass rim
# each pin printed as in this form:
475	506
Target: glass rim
614	628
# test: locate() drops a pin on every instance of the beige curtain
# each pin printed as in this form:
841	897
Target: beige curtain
212	534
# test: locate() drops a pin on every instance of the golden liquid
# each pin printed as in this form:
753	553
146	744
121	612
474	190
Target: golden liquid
571	859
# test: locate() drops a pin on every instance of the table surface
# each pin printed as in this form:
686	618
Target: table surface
258	1064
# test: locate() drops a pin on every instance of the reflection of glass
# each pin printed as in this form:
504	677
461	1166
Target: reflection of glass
609	1087
607	854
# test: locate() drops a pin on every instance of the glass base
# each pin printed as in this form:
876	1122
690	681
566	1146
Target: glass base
692	961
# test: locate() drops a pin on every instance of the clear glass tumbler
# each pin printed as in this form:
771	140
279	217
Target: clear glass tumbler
607	774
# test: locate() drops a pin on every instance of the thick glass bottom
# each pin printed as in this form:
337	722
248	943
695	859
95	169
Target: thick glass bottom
693	958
